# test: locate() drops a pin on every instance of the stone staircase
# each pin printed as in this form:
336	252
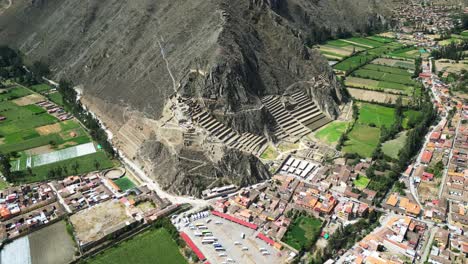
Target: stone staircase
307	112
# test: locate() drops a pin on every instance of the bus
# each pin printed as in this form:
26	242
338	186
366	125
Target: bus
208	241
205	232
198	224
202	227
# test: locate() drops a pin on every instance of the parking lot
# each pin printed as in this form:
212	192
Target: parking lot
229	235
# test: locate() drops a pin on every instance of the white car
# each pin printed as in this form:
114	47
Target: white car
237	243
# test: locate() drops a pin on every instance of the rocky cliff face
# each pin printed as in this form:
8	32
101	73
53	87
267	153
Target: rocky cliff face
134	55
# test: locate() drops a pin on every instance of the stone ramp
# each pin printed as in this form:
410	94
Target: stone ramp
287	124
245	142
307	112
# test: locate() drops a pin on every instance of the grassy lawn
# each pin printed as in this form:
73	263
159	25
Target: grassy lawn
362	139
270	153
151	247
331	132
392	147
361	182
376	114
40	88
85	164
303	232
124	183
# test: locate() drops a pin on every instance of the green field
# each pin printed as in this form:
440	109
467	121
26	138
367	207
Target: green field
366	42
376	114
303	232
150	247
40	88
14	93
406	53
124	183
387	69
354	62
399	88
384	76
361	182
381	39
392	147
56	98
21	121
362	139
85	164
331	132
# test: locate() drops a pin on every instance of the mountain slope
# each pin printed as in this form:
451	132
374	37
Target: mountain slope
131	56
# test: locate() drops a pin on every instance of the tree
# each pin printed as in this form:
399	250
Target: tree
96	164
5	166
75	167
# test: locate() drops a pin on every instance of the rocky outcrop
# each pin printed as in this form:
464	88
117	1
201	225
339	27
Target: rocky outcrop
191	171
227	54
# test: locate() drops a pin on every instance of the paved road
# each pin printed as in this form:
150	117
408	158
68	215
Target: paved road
442	186
428	246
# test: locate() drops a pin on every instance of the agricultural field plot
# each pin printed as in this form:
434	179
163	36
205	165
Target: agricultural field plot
153	246
392	147
354	62
124	183
375	96
406	64
60	251
346	44
388	69
381	39
35	249
47	158
332	132
451	66
376	114
20	122
39	88
29	99
56	98
361	182
387	48
365	42
384	76
362	140
408	53
303	232
91	224
13	93
395	88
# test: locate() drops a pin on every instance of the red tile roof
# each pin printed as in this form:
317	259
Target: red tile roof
266	239
426	157
235	220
